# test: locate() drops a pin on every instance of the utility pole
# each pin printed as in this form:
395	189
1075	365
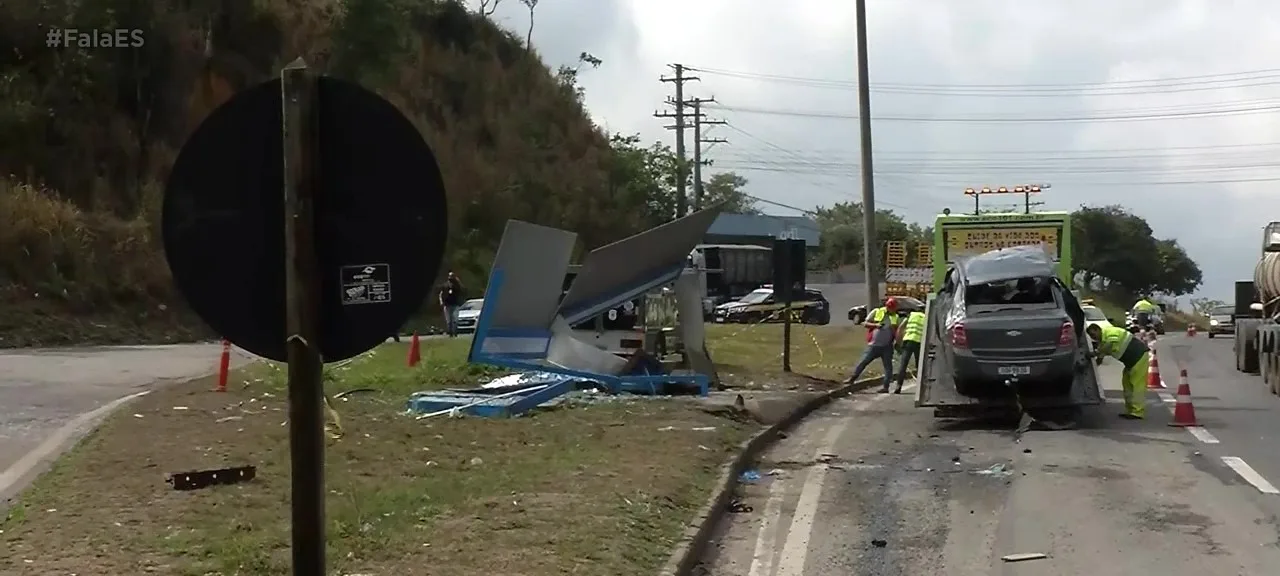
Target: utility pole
868	179
682	177
698	121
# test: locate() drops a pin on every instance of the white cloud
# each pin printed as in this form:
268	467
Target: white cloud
979	42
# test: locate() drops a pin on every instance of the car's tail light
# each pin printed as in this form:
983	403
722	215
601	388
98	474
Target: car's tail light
1067	336
959	338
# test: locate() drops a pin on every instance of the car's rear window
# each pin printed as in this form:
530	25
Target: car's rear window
1020	291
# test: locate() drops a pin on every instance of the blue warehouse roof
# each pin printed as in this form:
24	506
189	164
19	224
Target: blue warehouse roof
754	225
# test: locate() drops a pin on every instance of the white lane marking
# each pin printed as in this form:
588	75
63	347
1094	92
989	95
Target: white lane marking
1202	435
796	548
762	561
1167	398
56	440
1250	475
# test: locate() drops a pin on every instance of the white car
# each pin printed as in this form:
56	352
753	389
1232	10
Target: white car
1094	315
469	314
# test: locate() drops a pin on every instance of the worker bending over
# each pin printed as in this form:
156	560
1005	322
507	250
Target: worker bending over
1134	354
910	335
881	344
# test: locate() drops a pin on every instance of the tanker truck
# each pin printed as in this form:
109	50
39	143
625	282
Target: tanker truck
1257	315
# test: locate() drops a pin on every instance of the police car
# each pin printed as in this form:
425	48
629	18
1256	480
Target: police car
760	305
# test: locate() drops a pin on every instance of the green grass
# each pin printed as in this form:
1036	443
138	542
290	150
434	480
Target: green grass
592	488
822	352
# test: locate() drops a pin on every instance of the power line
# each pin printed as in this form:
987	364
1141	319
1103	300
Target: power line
1260	162
1006	119
825	185
847	173
1254	78
980	155
699	121
679	103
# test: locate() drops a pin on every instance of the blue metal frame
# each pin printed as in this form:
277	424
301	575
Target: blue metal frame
521	362
508	407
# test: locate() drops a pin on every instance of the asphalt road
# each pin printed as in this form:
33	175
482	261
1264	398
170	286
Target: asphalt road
1233	408
843	297
901	494
43	391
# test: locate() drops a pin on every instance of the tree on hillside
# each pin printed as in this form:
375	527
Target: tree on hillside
1179	274
842	237
726	188
1116	250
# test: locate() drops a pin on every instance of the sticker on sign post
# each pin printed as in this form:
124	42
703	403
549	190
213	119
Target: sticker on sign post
366	284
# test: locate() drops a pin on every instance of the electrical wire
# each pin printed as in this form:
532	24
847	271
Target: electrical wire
982	153
826	185
1134	117
969	166
1233	80
745	167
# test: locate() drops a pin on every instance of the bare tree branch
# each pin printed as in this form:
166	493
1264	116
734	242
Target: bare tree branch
528	37
488	7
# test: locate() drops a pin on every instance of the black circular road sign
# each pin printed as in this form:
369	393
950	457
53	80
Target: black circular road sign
380	220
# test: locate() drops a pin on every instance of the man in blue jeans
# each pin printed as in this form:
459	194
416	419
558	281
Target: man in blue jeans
881	346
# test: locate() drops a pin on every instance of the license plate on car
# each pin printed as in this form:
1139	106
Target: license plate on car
720	319
1014	370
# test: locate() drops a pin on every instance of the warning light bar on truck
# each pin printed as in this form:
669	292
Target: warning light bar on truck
1028	189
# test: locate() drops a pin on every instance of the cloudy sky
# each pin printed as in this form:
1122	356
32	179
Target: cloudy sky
1169	108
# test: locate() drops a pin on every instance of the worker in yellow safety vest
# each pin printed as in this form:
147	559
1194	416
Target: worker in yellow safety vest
1144	305
881	344
1134	354
877	316
910	338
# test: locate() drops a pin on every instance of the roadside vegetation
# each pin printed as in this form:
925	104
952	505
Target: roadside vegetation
597	484
80	258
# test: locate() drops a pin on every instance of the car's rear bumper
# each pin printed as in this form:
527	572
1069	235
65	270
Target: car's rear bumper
1223	329
970	367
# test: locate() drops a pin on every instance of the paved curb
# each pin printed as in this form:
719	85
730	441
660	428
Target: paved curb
36	462
688	552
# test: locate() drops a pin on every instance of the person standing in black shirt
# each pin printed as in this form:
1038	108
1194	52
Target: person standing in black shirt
450	300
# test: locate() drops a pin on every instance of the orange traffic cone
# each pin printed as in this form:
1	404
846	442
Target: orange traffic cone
224	365
1153	373
1184	413
415	351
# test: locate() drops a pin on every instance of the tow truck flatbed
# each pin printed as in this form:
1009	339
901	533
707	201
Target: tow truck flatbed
937	388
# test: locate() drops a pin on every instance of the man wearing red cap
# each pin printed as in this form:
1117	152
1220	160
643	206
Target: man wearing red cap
883	339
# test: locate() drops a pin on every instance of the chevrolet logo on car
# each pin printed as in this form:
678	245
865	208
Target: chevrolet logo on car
1014	333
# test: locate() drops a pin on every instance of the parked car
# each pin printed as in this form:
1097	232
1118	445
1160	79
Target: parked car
761	306
1222	320
469	314
1007	316
1095	315
906	305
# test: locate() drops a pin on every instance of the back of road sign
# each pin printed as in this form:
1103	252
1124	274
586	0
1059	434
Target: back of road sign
380	219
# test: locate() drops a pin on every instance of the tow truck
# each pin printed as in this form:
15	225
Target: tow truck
960	236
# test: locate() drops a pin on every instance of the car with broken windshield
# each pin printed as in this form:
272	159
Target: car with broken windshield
1009	319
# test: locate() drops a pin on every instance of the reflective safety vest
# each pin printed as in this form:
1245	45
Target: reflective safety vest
1144	305
877	316
1114	341
913	330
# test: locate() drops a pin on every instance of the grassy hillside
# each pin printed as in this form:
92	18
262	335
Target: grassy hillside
91	134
